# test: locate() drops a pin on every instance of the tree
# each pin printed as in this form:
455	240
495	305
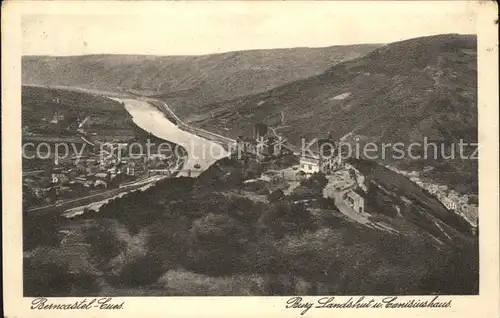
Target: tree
303	193
42	230
217	243
316	182
327	203
352	174
254	170
46	278
276	195
104	244
473	199
141	271
454	272
288	218
47	273
214	229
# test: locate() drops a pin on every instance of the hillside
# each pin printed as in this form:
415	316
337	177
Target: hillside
401	92
187	82
205	236
394	195
59	112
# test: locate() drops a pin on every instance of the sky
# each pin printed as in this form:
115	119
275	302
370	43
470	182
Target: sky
181	28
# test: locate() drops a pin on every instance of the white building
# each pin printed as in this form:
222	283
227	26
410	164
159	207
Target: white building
166	172
101	182
450	204
356	201
130	170
273	176
309	165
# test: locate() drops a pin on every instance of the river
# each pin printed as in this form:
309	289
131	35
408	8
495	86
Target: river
202	152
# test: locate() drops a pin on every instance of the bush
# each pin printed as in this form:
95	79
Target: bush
215	228
254	170
304	193
46	278
276	195
46	274
454	273
40	231
104	243
317	181
327	203
311	188
242	209
288	218
140	272
234	179
169	240
217	242
473	199
330	219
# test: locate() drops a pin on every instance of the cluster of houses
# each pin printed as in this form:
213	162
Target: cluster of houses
323	157
451	199
327	158
268	181
72	177
57	118
68	181
310	164
98	168
265	144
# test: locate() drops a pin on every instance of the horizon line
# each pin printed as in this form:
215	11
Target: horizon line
244	50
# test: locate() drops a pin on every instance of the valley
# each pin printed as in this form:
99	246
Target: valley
237	209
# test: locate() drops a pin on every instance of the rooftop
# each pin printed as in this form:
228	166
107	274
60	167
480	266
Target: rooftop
309	158
249	140
271	173
356	193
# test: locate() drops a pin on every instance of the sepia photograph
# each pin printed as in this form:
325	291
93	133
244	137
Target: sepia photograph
258	171
251	150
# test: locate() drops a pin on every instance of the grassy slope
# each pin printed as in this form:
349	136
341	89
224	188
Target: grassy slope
196	240
393	90
106	117
417	206
188	82
423	87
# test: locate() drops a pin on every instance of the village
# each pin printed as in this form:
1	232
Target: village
95	172
465	205
285	170
345	184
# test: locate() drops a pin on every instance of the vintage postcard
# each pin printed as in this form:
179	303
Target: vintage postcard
322	159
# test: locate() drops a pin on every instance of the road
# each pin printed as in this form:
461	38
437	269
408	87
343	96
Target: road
200	151
82	90
116	191
345	183
226	142
346	209
96	205
32	172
